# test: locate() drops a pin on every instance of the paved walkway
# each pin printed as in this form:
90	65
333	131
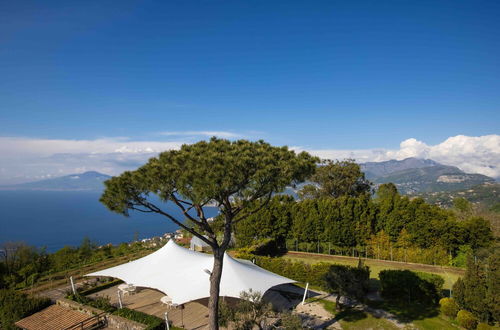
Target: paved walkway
59	292
194	315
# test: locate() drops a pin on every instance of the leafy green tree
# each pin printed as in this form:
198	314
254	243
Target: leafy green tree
387	191
86	248
252	311
273	221
347	281
335	179
478	232
477	292
462	206
405	285
460	259
239	177
15	305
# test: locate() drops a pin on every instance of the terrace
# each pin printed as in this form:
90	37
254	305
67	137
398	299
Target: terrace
194	315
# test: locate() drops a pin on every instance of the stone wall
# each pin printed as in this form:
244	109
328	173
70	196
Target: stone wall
118	322
114	321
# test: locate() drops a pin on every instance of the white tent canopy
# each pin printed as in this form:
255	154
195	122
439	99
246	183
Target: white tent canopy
182	274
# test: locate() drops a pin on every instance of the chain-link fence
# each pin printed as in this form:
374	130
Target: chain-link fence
433	256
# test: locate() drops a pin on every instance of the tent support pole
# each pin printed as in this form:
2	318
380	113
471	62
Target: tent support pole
166	321
72	285
120	299
305	293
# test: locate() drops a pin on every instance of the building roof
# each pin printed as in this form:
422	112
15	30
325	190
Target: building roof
54	317
183	274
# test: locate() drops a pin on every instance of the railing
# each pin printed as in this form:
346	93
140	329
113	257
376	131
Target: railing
90	323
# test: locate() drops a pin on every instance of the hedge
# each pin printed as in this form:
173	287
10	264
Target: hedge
405	285
314	274
100	287
101	303
153	322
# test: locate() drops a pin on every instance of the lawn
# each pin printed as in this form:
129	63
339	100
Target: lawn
421	317
435	323
355	319
417	317
449	274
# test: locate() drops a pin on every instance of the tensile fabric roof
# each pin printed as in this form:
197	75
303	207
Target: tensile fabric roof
183	274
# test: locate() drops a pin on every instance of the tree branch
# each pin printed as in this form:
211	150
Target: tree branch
184	210
213	244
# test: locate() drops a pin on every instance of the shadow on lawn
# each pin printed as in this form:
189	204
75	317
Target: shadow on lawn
351	315
405	312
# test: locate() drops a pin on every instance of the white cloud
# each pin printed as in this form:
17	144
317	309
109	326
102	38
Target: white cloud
472	154
28	159
220	134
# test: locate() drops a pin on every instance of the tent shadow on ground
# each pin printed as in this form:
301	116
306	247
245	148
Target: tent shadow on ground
286	296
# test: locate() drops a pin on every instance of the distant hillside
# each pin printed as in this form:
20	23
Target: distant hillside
487	194
414	176
377	169
84	181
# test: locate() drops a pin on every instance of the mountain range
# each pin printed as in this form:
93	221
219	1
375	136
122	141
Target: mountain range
85	181
411	176
414	176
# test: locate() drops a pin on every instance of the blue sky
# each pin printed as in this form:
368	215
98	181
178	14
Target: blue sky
335	75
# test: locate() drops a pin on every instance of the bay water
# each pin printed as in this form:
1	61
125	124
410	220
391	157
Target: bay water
53	219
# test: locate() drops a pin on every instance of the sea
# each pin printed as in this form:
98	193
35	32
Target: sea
54	219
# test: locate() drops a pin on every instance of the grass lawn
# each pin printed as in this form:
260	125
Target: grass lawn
449	274
435	323
355	319
423	318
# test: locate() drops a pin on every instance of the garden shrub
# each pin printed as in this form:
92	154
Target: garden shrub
348	281
314	274
15	306
101	303
448	307
483	326
153	322
291	321
410	286
466	319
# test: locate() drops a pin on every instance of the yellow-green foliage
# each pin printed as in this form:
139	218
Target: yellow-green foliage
483	326
296	270
381	247
448	307
466	319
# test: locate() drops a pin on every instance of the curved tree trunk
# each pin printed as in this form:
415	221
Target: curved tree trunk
213	302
